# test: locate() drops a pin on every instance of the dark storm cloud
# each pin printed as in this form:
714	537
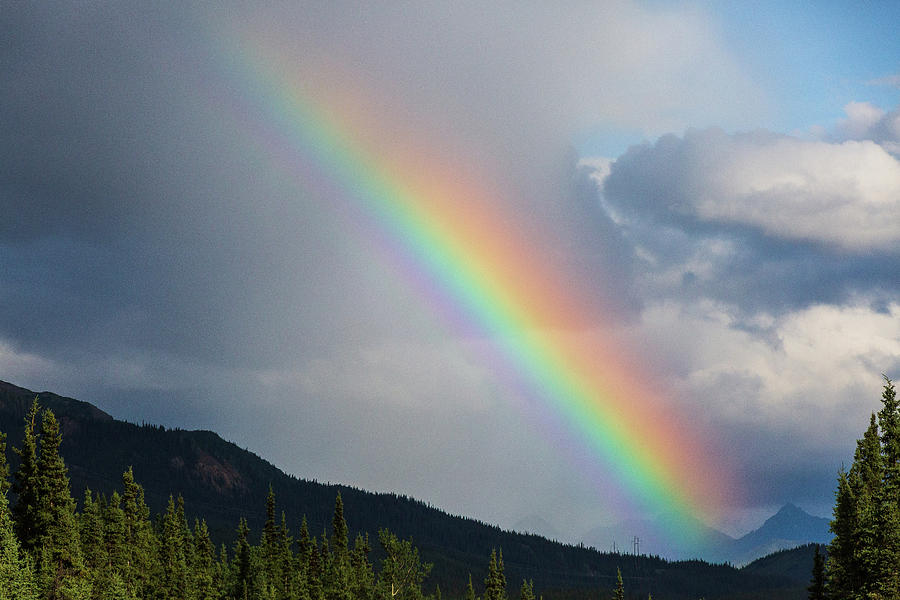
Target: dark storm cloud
133	219
136	217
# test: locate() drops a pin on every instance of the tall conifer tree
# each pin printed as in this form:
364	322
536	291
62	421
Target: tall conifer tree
142	567
816	587
172	554
864	555
470	591
526	592
115	542
241	565
60	562
203	571
314	571
4	466
495	583
338	577
25	483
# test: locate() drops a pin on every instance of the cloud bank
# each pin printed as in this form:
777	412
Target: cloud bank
775	256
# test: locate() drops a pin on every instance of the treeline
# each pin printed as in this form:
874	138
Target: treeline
111	549
864	556
222	483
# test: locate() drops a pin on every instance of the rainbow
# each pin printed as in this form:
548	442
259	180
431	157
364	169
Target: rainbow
481	269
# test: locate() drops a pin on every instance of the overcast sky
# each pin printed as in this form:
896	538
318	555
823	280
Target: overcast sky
726	181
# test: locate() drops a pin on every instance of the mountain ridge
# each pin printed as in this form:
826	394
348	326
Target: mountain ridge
222	482
789	527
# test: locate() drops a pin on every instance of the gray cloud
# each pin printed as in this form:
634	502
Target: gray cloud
764	245
156	259
788	306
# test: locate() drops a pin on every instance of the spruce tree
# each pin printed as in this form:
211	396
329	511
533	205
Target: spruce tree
816	587
60	562
864	555
25	483
495	582
314	571
115	542
619	593
221	573
271	546
142	567
887	500
338	573
288	583
526	592
889	422
501	576
362	579
203	572
304	550
241	566
842	568
4	466
470	591
91	528
172	555
339	532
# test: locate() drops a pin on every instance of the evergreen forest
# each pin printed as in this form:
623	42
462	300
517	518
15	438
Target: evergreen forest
111	549
116	543
864	556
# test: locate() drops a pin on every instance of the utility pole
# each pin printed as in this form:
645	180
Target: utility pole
636	549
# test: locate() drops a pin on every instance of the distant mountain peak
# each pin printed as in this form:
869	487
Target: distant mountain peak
789	516
791	508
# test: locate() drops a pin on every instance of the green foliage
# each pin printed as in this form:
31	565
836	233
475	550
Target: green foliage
240	567
4	466
55	528
865	552
127	556
173	552
816	587
526	592
619	592
402	572
470	591
362	576
25	483
16	575
338	575
314	572
495	582
141	566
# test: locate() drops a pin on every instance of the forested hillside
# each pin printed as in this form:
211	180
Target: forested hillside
188	475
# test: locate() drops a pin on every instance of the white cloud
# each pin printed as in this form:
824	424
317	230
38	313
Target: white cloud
774	373
846	194
861	118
